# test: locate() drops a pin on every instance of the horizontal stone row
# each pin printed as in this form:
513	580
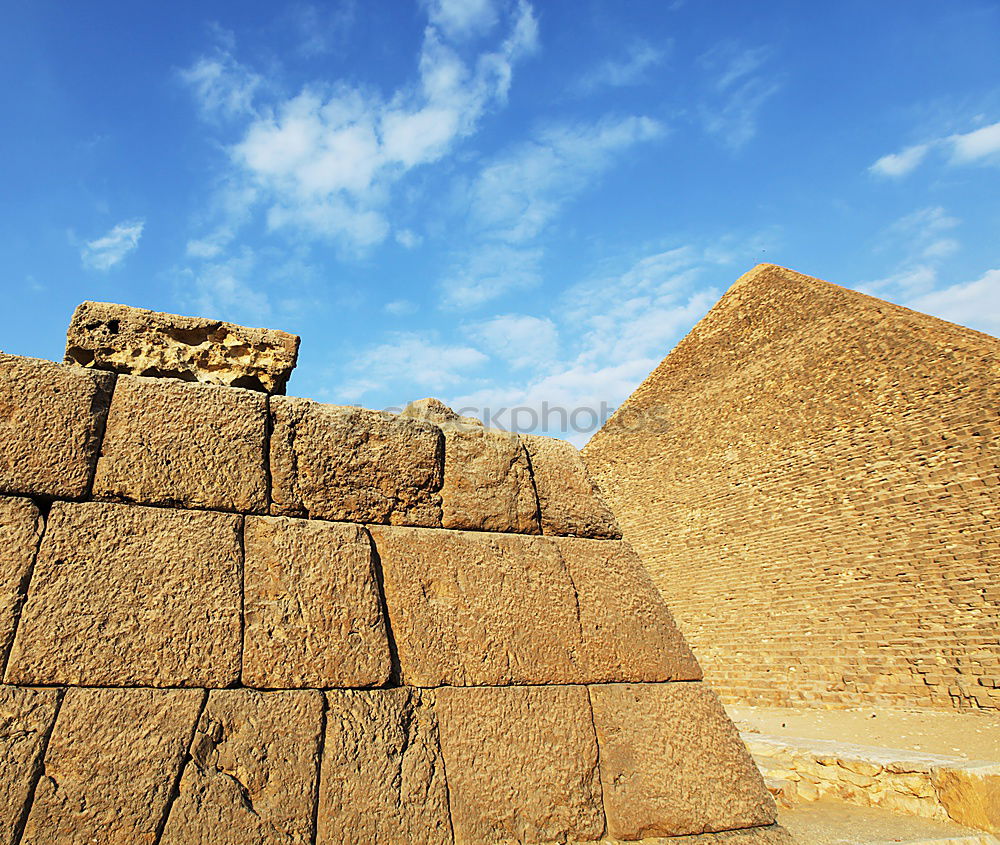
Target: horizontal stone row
129	595
472	765
69	432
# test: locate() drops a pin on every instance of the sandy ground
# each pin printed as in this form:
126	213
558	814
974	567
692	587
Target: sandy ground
843	824
974	735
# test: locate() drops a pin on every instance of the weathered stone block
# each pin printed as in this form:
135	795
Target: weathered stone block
251	776
350	464
110	766
20	528
313	614
51	422
487	482
193	445
125	595
522	764
672	763
147	343
569	501
26	717
383	777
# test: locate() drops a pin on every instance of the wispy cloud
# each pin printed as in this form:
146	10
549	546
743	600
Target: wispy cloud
106	252
922	240
521	340
978	146
972	304
738	87
631	70
223	88
462	19
322	29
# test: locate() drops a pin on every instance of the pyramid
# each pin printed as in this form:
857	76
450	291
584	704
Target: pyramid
234	616
811	478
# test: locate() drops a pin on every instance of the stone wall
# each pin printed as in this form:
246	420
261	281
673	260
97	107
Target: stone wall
234	617
811	477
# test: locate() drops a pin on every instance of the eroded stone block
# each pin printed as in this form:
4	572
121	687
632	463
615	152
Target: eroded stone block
51	421
672	763
383	777
313	615
522	764
251	776
20	528
106	336
26	717
569	502
192	445
111	765
354	465
126	595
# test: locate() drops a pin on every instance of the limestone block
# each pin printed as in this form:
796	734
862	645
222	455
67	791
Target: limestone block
672	763
970	794
627	632
569	501
110	766
251	776
772	834
26	717
313	614
125	595
487	482
193	445
20	528
135	341
434	410
471	608
350	464
51	422
383	777
522	764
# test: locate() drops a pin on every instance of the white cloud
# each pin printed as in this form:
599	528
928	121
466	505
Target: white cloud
923	241
400	307
975	304
408	239
971	147
220	289
460	19
978	146
519	339
642	56
488	271
105	252
738	90
321	29
222	86
899	164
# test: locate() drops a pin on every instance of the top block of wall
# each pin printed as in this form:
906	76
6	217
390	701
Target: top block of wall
104	336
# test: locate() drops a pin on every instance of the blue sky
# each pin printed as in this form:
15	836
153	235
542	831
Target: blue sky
497	202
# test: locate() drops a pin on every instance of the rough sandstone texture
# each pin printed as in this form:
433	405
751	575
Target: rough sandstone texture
251	775
124	595
522	764
26	717
313	615
192	445
672	763
51	422
111	765
569	502
353	465
435	411
383	777
20	528
811	478
510	609
112	337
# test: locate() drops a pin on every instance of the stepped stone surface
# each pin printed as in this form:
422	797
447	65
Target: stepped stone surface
645	730
811	478
383	778
350	464
110	765
191	445
569	501
51	424
522	764
20	529
312	609
135	341
26	717
124	595
251	776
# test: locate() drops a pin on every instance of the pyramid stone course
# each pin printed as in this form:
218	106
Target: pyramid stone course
233	616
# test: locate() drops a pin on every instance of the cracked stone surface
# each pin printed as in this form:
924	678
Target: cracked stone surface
110	766
354	465
124	595
522	764
251	776
105	336
26	717
51	420
383	777
191	445
20	527
313	615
